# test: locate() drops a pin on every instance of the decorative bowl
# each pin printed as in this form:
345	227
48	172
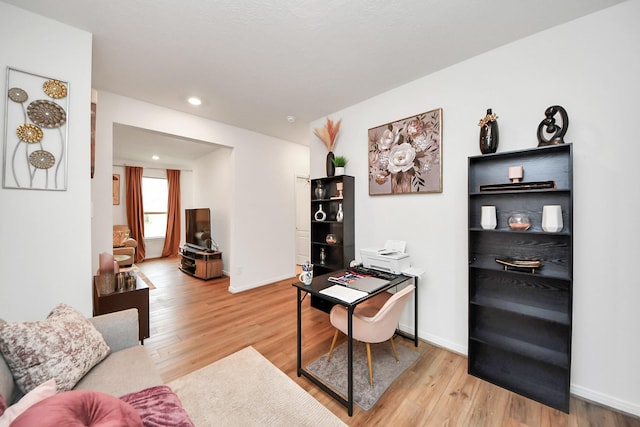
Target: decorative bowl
331	239
519	222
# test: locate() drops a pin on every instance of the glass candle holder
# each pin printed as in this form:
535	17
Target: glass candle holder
519	222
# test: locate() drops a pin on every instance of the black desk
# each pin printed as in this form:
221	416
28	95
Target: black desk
321	282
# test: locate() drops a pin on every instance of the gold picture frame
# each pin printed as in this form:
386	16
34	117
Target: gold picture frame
116	189
405	156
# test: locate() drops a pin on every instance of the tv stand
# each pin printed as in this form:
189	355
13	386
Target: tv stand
201	264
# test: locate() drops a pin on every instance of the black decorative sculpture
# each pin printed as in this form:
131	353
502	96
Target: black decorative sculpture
549	133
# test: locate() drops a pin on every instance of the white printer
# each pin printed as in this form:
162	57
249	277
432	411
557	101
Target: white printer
391	258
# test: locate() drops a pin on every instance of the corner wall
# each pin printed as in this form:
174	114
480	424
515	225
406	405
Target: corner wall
594	75
212	189
46	235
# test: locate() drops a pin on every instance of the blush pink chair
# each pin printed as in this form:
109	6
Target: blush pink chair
374	321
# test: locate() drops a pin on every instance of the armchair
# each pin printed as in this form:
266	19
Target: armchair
124	245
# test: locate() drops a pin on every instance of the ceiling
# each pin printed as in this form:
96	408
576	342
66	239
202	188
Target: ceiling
134	146
255	62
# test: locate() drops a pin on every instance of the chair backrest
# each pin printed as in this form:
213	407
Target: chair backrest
395	304
382	325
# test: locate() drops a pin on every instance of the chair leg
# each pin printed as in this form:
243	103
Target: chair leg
393	348
333	344
370	366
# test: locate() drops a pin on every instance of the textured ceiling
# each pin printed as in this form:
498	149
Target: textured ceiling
254	62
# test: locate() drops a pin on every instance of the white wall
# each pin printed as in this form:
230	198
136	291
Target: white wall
591	67
212	189
262	223
46	235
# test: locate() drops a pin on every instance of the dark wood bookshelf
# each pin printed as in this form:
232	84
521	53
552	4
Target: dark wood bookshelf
340	254
520	320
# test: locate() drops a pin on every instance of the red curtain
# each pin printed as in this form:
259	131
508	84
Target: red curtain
135	210
172	237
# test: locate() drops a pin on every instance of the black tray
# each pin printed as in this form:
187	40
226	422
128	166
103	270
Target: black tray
538	185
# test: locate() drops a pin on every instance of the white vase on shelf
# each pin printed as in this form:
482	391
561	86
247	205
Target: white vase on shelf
320	215
488	219
340	214
552	218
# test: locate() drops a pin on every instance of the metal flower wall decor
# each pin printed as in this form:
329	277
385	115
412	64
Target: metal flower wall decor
405	156
35	140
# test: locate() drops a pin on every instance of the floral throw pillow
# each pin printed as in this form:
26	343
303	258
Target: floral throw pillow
65	346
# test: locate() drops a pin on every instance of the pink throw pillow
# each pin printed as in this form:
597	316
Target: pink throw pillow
3	405
159	406
80	408
38	394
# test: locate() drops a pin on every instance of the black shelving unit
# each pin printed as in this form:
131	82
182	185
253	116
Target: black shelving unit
520	320
337	255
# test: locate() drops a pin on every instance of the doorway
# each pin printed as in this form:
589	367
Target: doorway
303	219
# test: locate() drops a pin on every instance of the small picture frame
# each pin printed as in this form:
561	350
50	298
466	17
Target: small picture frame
116	189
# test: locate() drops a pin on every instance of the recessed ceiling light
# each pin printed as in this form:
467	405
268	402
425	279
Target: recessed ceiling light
291	119
155	157
195	101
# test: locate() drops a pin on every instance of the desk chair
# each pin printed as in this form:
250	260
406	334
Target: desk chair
374	321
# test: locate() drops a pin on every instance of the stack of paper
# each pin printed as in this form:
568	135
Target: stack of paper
343	293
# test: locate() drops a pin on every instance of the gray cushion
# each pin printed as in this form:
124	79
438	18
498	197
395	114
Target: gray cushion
6	381
122	372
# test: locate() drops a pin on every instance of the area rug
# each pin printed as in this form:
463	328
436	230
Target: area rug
385	370
245	389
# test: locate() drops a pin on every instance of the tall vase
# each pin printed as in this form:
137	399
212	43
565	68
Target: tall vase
340	213
489	134
331	168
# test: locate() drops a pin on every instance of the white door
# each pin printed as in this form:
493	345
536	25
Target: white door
303	219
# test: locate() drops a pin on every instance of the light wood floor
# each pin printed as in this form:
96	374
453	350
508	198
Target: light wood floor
196	322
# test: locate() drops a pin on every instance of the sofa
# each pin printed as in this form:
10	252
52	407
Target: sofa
124	244
125	374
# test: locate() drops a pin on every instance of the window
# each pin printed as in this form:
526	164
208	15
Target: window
155	196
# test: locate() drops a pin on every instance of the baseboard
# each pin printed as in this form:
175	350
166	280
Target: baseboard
236	289
630	408
437	341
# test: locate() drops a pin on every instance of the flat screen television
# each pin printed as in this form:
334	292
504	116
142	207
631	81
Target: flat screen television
198	228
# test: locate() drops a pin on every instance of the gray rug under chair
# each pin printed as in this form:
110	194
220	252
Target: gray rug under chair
385	370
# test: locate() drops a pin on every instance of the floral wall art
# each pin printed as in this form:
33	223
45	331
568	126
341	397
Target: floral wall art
405	156
35	140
